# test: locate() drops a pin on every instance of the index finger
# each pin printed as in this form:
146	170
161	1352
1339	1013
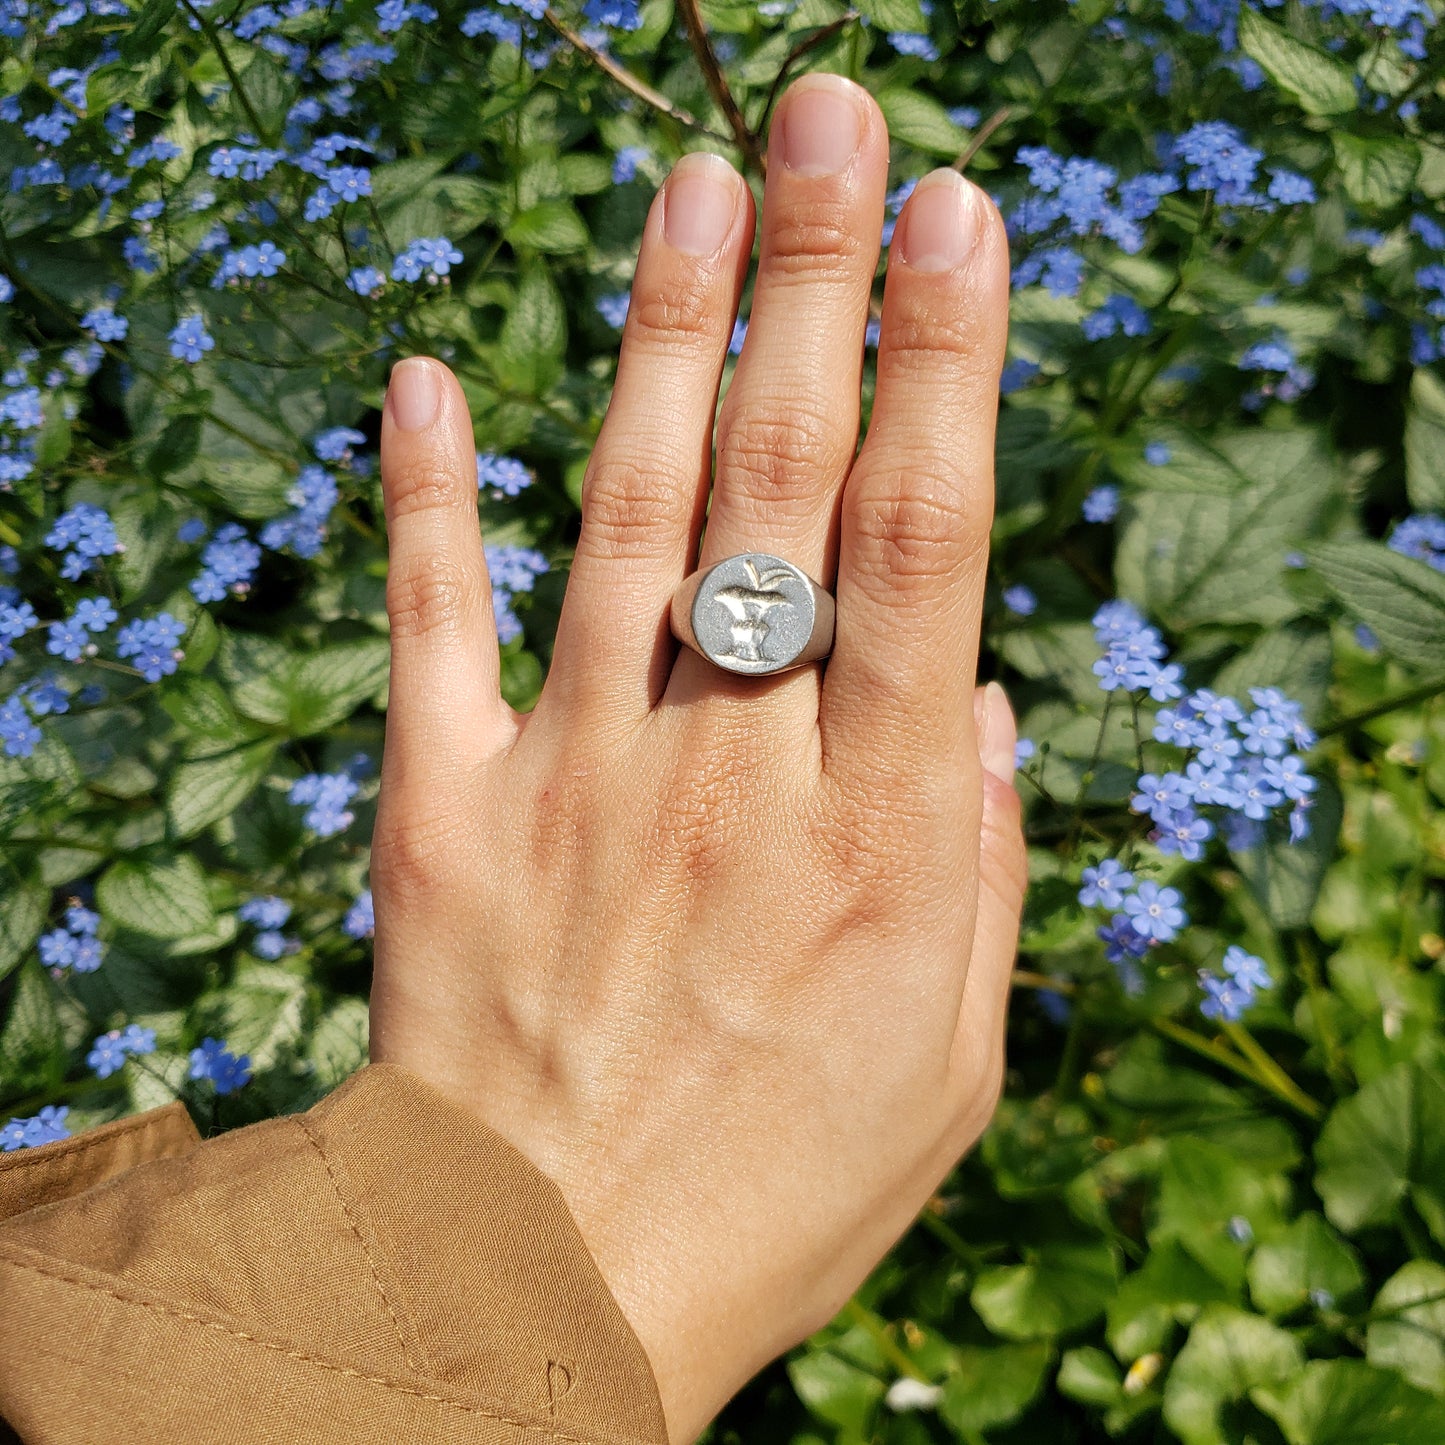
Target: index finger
897	693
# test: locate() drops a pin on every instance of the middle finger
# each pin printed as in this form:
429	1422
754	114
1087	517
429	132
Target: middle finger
788	429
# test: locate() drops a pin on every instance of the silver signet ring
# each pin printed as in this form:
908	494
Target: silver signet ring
754	614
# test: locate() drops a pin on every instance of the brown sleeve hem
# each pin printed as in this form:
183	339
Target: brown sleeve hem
382	1268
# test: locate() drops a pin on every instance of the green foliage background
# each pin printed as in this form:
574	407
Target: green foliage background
1173	1231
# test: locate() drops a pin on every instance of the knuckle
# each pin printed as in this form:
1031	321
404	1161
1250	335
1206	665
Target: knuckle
818	239
427	594
927	331
778	457
686	310
982	1089
413	850
628	511
915	526
423	484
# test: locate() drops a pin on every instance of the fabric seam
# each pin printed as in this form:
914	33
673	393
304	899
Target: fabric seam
365	1247
158	1307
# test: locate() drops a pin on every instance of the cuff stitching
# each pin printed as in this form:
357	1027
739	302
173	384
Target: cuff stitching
291	1353
365	1248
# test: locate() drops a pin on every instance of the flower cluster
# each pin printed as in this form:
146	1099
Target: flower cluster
360	920
1229	995
111	1049
512	570
46	1127
502	476
303	529
227	1071
432	257
75	945
71	638
81	536
152	645
1421	535
1238	764
325	796
269	914
227	565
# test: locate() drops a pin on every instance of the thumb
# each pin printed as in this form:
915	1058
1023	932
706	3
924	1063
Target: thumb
445	706
1002	876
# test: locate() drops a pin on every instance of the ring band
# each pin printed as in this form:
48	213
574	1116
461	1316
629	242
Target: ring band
755	614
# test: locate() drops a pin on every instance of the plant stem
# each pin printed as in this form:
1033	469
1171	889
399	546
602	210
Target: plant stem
951	1237
1424	693
1281	1084
717	83
1218	1051
887	1346
818	37
213	35
1309	967
624	77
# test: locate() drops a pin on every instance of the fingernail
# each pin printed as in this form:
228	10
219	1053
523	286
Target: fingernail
698	203
821	123
414	394
1000	734
941	223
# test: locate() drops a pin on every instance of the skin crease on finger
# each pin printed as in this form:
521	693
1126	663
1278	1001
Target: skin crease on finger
744	1016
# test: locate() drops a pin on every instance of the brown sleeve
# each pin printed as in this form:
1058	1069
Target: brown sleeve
383	1268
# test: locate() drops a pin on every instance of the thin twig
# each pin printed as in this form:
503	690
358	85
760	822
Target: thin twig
624	77
717	83
981	135
794	55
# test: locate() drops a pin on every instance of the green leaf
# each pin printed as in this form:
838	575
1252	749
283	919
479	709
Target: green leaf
1347	1402
177	446
1200	554
164	897
1064	1285
1382	1146
1091	1376
200	706
1169	1288
1401	599
534	335
1202	1188
1376	172
918	120
836	1390
1408	1331
1425	441
31	1047
260	1013
1228	1353
325	686
138	40
23	907
338	1046
203	790
1296	659
1286	877
993	1386
895	15
255	670
552	227
1288	1268
1321	84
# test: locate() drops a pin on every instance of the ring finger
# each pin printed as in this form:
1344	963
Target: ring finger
788	429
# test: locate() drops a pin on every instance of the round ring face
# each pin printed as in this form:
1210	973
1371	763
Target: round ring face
753	613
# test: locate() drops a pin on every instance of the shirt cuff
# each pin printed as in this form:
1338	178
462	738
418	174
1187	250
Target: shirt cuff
383	1267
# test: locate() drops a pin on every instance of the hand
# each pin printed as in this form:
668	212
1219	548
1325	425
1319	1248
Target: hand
725	957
